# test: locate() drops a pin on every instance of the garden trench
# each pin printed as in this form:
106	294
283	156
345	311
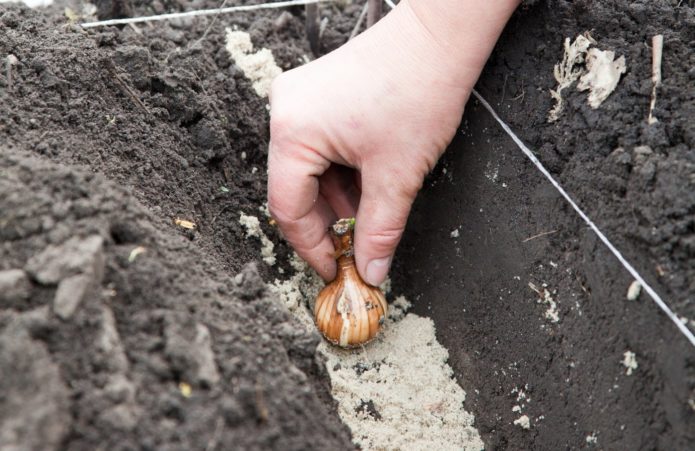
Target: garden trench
183	346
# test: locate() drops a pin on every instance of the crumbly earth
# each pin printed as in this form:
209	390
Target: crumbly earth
118	328
110	134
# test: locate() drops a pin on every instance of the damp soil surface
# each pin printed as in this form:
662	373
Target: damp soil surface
109	135
555	351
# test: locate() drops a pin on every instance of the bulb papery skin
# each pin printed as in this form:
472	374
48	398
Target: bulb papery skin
348	311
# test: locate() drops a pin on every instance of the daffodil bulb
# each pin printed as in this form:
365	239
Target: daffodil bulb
349	312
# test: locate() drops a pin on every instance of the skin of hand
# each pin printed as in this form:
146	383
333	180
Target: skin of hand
355	132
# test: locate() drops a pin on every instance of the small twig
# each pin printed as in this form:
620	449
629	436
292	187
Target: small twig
523	93
127	90
374	12
657	52
360	19
504	87
135	29
202	12
207	29
539	235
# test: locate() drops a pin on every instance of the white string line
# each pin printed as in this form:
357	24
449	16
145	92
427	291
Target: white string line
654	295
202	12
360	19
390	4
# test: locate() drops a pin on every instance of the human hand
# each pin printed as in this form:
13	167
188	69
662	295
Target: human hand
354	134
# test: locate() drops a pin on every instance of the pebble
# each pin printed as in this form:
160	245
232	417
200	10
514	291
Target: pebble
75	256
634	291
14	286
70	294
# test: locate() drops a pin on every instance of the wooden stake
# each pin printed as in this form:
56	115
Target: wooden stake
374	13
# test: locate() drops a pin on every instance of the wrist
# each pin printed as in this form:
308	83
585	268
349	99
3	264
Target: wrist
461	33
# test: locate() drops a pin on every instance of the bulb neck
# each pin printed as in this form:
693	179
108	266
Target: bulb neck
341	234
346	261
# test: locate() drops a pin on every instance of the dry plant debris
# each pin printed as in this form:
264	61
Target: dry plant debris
600	75
657	52
184	223
629	362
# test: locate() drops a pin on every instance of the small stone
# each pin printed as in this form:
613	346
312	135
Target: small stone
14	286
75	256
634	291
70	294
108	342
189	351
207	369
642	153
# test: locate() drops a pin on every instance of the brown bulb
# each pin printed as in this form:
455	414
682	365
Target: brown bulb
349	312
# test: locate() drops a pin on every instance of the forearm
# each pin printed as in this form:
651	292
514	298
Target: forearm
457	35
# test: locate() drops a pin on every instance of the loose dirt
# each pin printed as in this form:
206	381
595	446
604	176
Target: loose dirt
109	135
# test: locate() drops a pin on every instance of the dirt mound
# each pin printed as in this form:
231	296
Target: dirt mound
121	328
118	328
124	349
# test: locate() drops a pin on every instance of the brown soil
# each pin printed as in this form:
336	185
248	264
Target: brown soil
108	135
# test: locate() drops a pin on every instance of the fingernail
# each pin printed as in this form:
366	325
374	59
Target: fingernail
377	270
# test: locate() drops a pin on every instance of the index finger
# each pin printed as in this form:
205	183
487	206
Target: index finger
302	213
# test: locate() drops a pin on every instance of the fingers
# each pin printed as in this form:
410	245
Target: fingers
387	196
337	186
302	213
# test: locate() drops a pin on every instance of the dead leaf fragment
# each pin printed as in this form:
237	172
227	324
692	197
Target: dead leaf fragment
602	76
185	223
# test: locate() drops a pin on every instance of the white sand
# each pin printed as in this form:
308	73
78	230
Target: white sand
259	66
397	392
253	229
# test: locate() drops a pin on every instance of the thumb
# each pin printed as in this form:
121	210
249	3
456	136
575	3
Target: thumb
383	212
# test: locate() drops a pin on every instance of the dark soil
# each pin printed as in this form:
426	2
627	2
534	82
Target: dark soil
476	288
89	173
107	136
